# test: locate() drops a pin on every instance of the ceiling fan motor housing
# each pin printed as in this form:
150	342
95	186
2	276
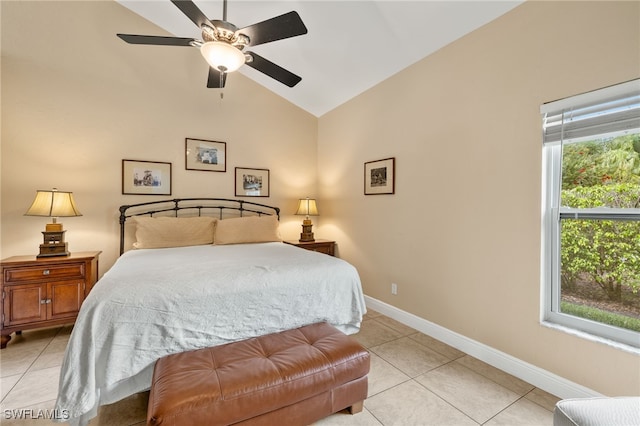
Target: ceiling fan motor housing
224	31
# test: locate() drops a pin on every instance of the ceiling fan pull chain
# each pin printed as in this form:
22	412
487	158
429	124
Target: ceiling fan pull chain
222	85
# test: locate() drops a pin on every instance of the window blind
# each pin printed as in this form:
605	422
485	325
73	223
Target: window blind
610	111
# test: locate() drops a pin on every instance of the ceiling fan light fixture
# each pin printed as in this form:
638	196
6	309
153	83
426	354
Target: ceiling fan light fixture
222	56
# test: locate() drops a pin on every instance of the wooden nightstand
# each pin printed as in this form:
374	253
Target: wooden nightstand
322	246
45	291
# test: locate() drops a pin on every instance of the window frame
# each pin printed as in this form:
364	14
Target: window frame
552	218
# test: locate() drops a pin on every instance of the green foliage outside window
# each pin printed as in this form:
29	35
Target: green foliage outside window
601	163
606	252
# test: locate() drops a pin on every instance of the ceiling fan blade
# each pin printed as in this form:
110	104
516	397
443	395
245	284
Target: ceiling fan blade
214	79
278	28
156	40
191	10
274	71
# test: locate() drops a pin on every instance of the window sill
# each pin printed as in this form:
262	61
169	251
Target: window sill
587	336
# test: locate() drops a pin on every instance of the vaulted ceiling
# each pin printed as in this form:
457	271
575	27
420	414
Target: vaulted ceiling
350	45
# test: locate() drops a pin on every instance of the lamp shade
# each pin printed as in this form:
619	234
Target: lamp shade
307	207
222	56
53	203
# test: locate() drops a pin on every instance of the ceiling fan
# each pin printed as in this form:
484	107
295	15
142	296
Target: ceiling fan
223	44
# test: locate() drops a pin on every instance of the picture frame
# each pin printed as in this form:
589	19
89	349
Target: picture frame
380	177
251	182
204	155
141	177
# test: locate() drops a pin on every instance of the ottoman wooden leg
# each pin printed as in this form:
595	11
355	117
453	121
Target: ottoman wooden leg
356	408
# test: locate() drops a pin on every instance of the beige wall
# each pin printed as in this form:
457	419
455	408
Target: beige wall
76	100
461	236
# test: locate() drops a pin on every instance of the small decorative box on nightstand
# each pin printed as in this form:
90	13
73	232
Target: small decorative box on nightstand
322	246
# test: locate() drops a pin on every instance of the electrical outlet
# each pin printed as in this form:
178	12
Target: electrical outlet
394	288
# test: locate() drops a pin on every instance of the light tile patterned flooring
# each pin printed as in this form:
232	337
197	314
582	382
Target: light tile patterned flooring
414	380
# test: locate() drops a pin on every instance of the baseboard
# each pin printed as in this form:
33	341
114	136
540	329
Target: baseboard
538	377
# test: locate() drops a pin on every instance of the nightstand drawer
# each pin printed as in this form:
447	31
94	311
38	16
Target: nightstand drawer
52	272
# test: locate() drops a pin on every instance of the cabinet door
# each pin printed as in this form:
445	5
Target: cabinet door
66	298
25	304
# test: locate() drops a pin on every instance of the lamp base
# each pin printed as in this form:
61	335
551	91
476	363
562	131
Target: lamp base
53	237
53	244
53	227
50	250
306	236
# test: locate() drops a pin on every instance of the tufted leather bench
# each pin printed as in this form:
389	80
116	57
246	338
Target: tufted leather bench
295	377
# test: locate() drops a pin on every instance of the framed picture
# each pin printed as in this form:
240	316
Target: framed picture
380	177
146	177
210	156
252	182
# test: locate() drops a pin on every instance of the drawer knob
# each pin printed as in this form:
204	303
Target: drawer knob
45	272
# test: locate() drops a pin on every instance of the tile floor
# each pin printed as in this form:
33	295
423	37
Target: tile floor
414	380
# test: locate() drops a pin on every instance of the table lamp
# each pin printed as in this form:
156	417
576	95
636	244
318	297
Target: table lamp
54	204
307	207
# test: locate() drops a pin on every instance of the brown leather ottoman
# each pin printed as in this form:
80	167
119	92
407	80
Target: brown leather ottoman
295	378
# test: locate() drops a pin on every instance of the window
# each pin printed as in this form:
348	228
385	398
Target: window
591	212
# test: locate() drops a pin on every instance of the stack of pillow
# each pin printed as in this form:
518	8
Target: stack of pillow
162	232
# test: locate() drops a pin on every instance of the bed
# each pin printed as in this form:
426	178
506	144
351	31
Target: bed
204	272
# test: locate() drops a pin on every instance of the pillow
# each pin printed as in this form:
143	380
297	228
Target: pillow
159	232
250	229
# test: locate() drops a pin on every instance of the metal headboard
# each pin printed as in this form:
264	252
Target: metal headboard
195	207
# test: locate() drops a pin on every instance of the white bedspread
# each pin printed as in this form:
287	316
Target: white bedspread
156	302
